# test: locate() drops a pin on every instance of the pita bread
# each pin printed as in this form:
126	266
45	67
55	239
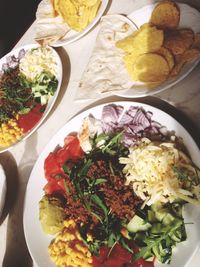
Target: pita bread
106	72
49	27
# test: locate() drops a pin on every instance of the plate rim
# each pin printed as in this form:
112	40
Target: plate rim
48	148
52	98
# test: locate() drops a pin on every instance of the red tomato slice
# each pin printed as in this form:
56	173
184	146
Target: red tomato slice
119	257
51	187
51	166
62	155
72	143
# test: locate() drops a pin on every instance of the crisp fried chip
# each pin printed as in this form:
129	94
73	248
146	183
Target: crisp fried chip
150	68
196	43
77	14
178	41
188	56
129	60
166	15
167	55
146	39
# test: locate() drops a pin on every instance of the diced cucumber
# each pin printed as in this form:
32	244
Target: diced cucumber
137	224
156	206
157	228
151	216
160	214
139	238
169	218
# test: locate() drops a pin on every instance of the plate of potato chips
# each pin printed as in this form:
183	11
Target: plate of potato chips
60	22
164	49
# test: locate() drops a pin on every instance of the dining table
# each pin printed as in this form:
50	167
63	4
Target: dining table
181	101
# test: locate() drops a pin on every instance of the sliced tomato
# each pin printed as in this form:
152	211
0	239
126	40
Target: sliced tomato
119	257
69	139
72	143
61	183
52	186
53	164
62	155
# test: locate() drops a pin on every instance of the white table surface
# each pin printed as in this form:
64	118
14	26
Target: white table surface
182	101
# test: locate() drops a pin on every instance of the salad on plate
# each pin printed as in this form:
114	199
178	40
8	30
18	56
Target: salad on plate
29	78
116	191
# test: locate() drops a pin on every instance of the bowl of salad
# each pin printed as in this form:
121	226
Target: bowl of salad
115	187
30	79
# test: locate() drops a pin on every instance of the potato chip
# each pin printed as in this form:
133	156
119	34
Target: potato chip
129	60
147	39
166	15
150	68
167	55
196	43
178	41
188	56
77	14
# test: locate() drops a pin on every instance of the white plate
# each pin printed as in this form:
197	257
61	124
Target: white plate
2	188
189	18
32	228
72	35
52	99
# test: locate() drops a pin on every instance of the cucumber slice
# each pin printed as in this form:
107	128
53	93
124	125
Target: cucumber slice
138	224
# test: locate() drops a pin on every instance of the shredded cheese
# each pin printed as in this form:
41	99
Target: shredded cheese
37	61
152	169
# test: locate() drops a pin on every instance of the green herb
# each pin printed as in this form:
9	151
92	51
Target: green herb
108	148
15	95
181	175
160	244
66	187
42	109
166	229
66	169
107	230
100	181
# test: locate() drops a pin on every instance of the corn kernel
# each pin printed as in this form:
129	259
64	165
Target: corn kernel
9	133
68	250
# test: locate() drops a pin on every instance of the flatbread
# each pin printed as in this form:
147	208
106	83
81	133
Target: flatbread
106	72
49	27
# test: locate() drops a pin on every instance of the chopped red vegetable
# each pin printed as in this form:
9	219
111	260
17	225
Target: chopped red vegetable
29	120
53	165
119	257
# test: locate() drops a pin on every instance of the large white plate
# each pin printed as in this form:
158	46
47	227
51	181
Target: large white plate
72	35
38	242
52	98
189	18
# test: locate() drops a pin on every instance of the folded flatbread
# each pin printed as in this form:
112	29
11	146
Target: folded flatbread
106	72
49	26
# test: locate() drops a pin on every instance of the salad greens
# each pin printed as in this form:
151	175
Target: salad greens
156	229
165	229
108	227
101	201
18	94
44	86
